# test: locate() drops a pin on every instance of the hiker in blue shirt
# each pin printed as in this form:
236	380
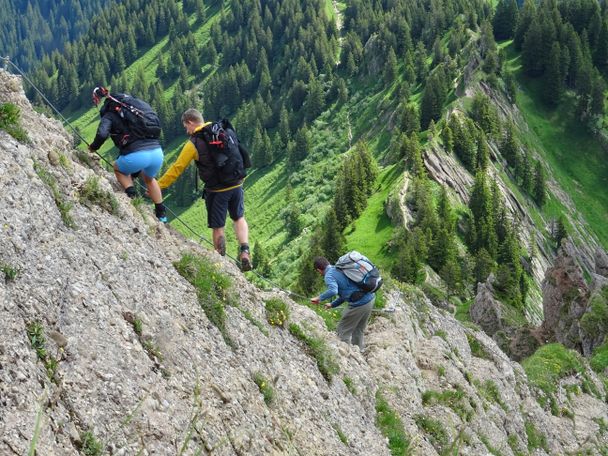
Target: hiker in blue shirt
360	304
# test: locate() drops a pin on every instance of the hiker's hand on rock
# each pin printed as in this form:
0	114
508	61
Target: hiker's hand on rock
328	305
315	300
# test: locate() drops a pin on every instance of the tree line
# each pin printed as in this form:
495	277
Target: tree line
34	28
564	44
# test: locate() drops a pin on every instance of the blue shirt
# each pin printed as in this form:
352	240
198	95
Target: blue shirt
340	285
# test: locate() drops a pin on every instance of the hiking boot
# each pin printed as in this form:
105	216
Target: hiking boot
245	260
131	192
161	212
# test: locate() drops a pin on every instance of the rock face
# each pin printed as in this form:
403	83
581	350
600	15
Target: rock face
565	297
487	311
601	263
130	357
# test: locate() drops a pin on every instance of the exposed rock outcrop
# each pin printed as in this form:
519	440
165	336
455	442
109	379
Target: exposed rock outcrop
565	297
601	262
487	311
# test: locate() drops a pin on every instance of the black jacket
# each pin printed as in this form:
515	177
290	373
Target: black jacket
114	126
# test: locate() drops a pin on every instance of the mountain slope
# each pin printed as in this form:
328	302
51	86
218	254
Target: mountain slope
129	362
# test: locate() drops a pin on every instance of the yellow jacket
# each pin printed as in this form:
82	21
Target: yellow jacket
187	154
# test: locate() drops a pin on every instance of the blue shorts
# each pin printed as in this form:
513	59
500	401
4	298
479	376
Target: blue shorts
218	203
148	161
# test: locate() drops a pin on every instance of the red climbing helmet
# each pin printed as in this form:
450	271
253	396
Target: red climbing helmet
98	93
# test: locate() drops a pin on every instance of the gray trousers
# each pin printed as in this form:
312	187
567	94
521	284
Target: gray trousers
353	323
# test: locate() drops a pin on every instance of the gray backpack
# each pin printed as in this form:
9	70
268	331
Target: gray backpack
360	270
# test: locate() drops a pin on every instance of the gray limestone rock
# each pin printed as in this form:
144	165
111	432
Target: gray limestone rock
487	311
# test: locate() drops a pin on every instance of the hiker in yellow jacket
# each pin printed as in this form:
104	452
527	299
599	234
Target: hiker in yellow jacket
221	162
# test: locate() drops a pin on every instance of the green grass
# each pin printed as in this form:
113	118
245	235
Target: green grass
265	387
319	350
35	333
10	272
595	321
549	364
372	231
92	193
277	312
10	121
341	435
462	311
490	392
61	201
476	348
90	446
212	288
456	400
599	360
435	431
350	385
391	426
536	439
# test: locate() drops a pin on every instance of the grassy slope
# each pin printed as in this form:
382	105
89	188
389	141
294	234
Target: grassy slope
576	160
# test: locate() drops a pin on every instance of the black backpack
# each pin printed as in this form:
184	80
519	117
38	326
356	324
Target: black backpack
229	156
141	120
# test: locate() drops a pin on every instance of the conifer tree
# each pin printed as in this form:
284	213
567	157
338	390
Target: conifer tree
448	138
553	81
483	152
527	176
484	114
540	186
505	19
407	267
332	240
464	141
480	204
452	276
260	261
315	100
292	214
410	121
510	86
301	147
600	56
309	281
533	50
560	231
390	70
201	14
598	89
510	146
284	129
524	18
484	265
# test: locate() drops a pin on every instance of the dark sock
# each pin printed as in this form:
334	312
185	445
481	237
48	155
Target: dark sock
130	191
160	210
244	247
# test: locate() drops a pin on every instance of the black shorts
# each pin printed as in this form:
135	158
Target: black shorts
218	203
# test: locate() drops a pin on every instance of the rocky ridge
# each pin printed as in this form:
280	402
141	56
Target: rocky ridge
84	285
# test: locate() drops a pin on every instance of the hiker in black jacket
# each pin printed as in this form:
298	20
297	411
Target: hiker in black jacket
140	152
